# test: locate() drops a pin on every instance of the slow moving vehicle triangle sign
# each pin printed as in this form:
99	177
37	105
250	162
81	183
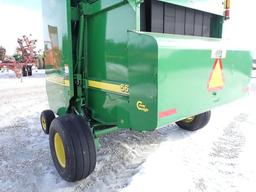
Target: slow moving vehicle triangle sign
216	80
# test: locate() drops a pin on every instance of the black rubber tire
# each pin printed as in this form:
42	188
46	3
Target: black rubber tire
47	116
79	147
29	69
198	122
24	71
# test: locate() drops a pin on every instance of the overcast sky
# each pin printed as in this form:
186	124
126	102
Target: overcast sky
19	17
241	27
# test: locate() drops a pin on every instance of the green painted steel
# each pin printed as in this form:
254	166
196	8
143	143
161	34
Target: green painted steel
101	66
106	131
143	75
170	73
184	72
108	52
58	54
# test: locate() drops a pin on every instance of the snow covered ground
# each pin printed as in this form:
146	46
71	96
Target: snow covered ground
220	157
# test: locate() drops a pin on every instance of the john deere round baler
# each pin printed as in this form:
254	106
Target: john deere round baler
133	64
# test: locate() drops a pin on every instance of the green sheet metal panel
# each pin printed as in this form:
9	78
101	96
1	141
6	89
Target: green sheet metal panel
173	84
107	58
211	6
184	68
58	53
143	74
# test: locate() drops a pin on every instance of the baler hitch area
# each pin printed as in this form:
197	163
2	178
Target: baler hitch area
132	64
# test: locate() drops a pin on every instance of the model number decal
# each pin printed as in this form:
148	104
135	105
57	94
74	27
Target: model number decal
116	88
124	88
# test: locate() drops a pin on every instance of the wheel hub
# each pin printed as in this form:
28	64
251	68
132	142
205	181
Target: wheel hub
43	122
59	150
189	119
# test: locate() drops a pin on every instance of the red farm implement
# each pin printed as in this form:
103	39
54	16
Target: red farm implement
24	59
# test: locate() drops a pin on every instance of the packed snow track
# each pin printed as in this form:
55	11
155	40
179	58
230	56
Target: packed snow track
220	157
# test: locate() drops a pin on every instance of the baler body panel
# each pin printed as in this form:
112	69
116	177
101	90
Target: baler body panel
58	54
170	76
184	69
143	75
107	58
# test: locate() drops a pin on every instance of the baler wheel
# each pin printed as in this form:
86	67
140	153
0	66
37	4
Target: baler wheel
195	122
46	119
24	71
72	147
29	69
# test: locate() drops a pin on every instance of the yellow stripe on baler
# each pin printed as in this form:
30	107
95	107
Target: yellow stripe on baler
59	81
117	88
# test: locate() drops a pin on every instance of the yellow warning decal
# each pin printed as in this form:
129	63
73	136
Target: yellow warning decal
216	80
117	88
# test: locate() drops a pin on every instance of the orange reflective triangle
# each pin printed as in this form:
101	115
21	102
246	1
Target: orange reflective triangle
216	80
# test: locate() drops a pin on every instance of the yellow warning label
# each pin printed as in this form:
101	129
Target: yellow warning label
216	80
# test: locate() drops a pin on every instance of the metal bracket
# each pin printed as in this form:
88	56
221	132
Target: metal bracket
75	14
135	3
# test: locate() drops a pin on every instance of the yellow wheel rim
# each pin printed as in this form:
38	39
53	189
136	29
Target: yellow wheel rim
59	150
43	122
189	119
